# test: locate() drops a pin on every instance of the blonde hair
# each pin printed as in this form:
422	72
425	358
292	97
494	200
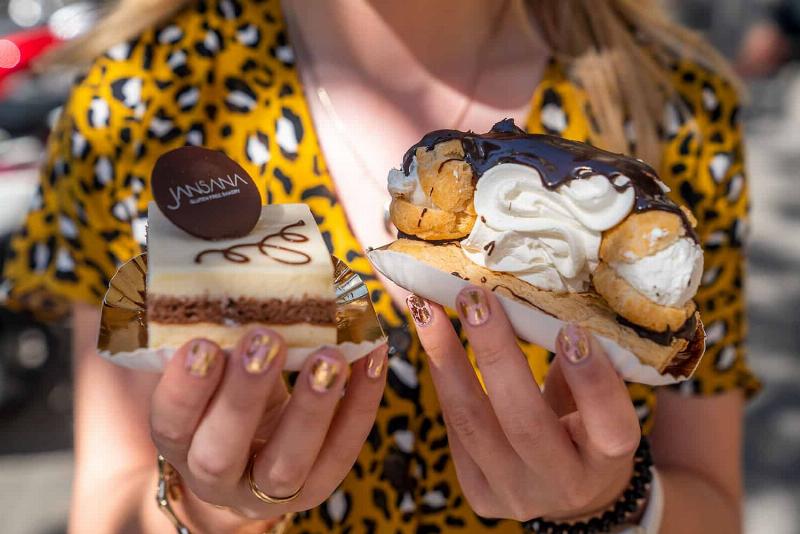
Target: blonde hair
600	42
619	51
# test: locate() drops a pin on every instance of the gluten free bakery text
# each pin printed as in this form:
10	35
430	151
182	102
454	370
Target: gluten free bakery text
214	189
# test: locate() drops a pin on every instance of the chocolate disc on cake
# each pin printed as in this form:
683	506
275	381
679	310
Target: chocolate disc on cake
205	193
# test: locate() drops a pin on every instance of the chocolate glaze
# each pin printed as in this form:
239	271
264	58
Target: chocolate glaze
687	331
434	242
685	362
233	255
445	162
557	160
421	215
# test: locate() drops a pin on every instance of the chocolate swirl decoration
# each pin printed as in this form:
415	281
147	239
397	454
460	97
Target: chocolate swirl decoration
233	254
557	160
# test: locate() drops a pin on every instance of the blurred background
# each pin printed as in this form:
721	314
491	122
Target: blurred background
761	37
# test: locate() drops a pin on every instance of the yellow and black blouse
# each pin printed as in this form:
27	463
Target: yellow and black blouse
221	74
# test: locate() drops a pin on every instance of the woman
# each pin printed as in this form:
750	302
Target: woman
277	84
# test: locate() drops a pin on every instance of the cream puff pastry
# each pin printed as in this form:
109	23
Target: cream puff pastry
579	233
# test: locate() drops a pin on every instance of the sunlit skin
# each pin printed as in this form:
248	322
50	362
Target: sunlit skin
584	423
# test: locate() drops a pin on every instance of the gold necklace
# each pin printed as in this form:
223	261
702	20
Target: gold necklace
302	51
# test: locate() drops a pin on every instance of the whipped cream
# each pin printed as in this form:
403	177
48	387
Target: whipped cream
408	186
669	277
549	238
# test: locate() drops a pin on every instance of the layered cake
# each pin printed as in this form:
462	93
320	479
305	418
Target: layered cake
578	233
217	266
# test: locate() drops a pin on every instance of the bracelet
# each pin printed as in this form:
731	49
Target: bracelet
631	503
169	491
653	512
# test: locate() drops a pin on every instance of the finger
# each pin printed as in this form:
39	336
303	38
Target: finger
531	426
278	397
556	391
283	465
221	446
467	410
181	397
472	481
350	426
612	428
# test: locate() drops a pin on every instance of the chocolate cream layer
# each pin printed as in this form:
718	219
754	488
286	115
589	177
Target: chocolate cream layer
190	310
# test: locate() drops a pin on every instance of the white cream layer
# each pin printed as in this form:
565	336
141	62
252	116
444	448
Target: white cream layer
669	277
549	238
407	186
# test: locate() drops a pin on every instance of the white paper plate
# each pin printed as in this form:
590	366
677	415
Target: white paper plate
156	360
529	323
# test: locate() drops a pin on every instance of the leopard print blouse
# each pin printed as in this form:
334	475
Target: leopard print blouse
221	74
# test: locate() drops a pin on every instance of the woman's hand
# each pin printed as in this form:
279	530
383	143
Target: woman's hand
520	453
212	411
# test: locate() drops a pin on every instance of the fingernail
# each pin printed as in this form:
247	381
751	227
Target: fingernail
323	374
259	351
376	364
472	306
200	358
420	310
573	343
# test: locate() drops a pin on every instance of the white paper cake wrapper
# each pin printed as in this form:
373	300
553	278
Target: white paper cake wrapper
529	323
123	322
154	360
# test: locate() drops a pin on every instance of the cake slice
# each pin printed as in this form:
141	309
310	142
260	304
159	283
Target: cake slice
279	275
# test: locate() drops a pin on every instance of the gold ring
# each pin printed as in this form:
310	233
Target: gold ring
260	494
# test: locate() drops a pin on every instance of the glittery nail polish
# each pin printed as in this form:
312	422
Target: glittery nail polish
573	343
420	310
259	351
472	306
375	365
323	373
200	357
